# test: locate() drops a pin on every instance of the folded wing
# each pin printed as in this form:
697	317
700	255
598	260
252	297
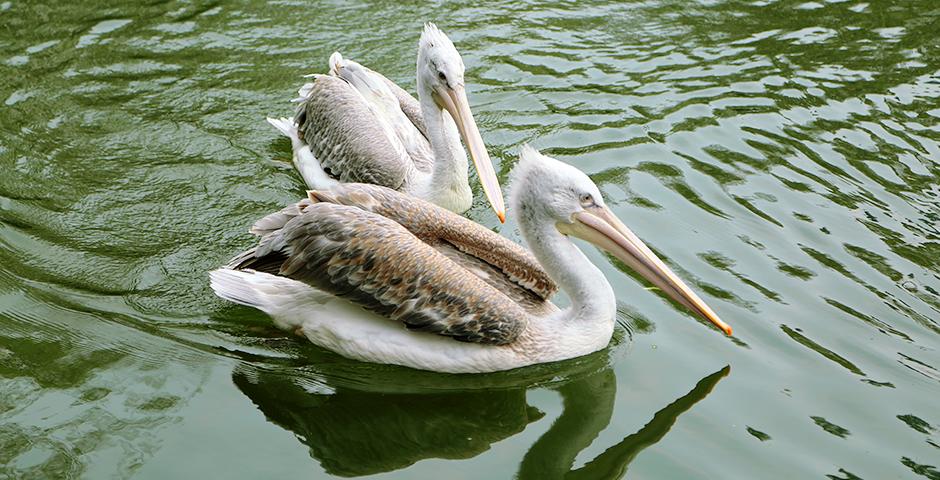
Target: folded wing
406	259
349	138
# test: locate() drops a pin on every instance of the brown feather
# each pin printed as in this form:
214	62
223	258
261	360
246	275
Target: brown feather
434	224
402	266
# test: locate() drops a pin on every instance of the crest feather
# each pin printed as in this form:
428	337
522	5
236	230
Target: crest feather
434	37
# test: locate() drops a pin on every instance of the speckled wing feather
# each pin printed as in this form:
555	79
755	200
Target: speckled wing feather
435	225
348	139
375	262
527	299
398	110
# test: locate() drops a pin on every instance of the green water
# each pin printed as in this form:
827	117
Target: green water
783	156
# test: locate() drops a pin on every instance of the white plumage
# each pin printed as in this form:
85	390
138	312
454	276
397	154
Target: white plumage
340	267
355	125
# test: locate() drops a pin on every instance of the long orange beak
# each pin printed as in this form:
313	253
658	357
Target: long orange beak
455	102
601	227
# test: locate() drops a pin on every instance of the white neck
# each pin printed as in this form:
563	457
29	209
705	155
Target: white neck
449	182
592	298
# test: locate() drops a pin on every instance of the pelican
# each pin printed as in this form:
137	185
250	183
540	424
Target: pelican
355	125
347	266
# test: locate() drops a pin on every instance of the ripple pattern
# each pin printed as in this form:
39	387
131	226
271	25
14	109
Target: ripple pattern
782	155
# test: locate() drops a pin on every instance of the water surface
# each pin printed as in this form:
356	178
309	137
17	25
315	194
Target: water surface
782	156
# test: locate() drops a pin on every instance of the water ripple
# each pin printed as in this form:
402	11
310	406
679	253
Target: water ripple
780	155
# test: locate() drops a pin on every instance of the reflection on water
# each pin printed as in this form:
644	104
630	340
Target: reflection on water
781	155
588	405
356	432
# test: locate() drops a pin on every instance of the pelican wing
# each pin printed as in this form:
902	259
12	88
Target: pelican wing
437	226
348	137
534	298
394	107
378	264
496	278
420	150
409	105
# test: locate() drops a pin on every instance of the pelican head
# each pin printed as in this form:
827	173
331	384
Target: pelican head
546	190
440	74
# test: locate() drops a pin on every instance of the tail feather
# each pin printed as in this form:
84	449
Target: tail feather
286	126
234	286
285	300
304	161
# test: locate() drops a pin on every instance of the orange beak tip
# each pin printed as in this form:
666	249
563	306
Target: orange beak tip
727	330
502	217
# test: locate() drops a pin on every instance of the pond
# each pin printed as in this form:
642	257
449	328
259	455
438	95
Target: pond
782	156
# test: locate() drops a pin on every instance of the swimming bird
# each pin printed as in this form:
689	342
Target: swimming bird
355	125
346	267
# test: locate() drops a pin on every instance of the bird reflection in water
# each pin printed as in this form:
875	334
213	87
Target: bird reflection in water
354	432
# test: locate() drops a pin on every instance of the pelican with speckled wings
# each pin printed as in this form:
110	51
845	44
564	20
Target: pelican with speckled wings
355	125
380	276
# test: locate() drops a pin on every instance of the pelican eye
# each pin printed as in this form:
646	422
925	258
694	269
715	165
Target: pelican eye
586	200
442	76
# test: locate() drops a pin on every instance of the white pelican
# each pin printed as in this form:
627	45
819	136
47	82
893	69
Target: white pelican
339	267
355	125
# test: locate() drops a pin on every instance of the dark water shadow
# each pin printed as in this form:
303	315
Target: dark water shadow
588	406
353	432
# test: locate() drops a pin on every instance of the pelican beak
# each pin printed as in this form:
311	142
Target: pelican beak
454	100
601	227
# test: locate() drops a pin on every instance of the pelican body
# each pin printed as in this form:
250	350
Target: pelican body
348	266
355	125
